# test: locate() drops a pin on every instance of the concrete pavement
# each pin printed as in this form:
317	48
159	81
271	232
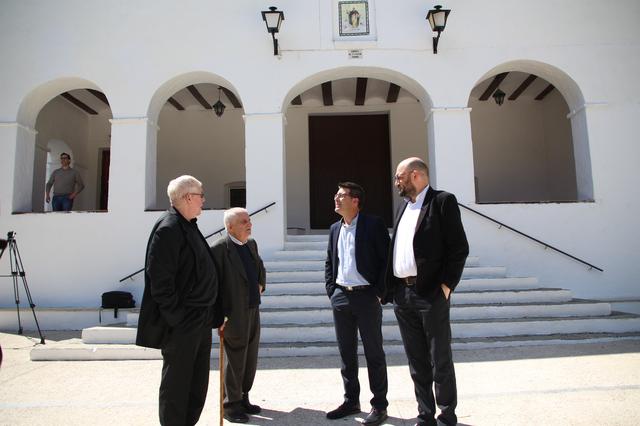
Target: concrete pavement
566	384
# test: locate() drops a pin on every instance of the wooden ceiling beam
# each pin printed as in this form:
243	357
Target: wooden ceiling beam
77	102
522	87
99	95
493	86
361	90
545	92
297	100
327	95
175	104
232	98
392	95
198	96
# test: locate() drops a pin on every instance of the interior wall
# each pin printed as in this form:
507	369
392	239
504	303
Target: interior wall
197	143
523	150
99	139
60	120
408	138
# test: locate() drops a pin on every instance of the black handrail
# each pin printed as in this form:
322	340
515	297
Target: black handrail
531	238
219	231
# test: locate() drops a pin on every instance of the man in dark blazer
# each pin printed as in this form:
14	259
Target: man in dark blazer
243	278
354	278
427	255
180	304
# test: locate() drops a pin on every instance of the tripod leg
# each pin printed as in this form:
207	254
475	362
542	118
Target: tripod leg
14	277
23	275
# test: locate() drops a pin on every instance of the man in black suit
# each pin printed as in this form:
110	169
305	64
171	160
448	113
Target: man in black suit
428	251
180	304
243	278
354	277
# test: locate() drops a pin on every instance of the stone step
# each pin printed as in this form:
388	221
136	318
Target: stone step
460	328
540	295
466	285
299	255
306	245
311	276
76	350
318	265
308	238
573	308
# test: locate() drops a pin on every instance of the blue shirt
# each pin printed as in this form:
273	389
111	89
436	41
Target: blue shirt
348	274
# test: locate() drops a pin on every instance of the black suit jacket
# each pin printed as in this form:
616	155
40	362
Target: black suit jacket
440	246
232	275
170	265
372	246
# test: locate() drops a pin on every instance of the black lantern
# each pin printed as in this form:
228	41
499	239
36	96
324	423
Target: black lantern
273	19
437	18
498	96
219	107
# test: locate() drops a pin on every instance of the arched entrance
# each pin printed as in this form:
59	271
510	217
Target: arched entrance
349	124
528	145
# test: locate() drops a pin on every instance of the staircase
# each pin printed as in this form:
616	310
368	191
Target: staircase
488	309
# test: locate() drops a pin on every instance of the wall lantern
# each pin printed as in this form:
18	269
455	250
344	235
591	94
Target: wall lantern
437	18
219	107
273	19
498	96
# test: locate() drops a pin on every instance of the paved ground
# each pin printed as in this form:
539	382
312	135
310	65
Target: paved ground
581	384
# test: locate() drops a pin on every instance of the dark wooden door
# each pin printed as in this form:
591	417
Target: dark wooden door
105	161
349	148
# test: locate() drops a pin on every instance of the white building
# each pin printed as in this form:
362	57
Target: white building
557	160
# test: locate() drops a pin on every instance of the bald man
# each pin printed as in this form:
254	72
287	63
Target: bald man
427	255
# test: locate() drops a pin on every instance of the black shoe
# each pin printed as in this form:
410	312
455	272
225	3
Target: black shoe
235	414
343	410
375	417
250	408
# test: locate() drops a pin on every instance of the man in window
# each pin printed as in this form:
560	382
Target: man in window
66	183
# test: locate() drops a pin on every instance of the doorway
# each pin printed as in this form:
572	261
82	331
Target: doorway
349	148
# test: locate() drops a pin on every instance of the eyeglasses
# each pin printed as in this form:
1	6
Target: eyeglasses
340	196
201	194
401	176
65	158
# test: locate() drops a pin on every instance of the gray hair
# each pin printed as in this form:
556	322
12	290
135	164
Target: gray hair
181	186
231	214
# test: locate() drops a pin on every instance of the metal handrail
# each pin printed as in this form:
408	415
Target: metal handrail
531	238
219	231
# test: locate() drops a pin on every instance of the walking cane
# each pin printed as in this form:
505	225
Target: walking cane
221	368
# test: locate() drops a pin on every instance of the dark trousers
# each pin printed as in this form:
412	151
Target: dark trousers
241	340
426	334
360	311
185	376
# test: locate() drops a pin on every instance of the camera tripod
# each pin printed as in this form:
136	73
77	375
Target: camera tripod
17	270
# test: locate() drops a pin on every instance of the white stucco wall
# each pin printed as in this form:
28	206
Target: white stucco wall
72	258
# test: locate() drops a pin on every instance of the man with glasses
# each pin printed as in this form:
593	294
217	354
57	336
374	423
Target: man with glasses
181	303
66	183
428	251
354	278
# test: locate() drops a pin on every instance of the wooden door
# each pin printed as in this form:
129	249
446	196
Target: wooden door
105	161
349	148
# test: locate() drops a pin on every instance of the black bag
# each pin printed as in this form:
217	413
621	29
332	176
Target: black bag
117	299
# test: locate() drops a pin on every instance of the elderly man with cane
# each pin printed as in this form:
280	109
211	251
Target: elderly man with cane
242	278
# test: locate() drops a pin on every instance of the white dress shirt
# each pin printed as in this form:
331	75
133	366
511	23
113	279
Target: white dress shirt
348	274
404	261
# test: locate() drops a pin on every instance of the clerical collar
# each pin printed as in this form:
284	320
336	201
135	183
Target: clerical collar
237	241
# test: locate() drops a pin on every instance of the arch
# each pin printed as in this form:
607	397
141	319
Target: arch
385	74
35	100
171	86
309	172
28	185
202	137
571	159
